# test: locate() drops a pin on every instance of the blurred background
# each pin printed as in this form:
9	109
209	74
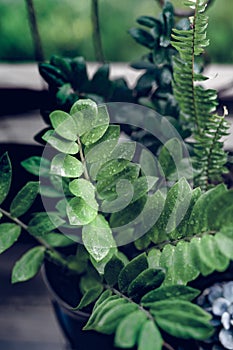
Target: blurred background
65	29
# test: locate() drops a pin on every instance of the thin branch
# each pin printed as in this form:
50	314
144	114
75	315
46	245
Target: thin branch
184	13
167	346
97	41
38	50
56	254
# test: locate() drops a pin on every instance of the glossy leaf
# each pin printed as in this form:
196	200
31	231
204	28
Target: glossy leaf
62	145
100	125
5	176
182	319
90	296
112	270
80	212
102	149
64	125
38	166
41	223
9	233
84	113
58	240
24	199
97	238
111	168
28	265
66	166
177	292
131	271
147	280
85	190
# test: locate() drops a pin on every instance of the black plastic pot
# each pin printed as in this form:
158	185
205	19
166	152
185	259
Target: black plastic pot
64	293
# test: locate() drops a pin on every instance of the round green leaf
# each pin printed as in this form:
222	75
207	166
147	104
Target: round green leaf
80	212
97	238
64	125
66	166
111	168
84	189
62	145
84	113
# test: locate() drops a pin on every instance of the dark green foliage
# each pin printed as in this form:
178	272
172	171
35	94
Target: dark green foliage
181	248
5	176
156	81
68	81
197	105
136	319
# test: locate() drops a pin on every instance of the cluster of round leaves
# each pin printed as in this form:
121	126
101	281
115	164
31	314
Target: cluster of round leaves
218	299
98	171
135	306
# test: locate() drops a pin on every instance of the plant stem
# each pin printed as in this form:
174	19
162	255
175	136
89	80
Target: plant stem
86	175
184	13
97	41
174	242
167	346
38	51
140	307
56	254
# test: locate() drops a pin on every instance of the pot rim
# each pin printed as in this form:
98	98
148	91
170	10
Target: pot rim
59	300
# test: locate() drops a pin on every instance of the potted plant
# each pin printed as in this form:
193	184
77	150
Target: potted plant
123	233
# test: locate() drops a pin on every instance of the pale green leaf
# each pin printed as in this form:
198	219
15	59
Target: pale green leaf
85	190
129	328
64	125
66	166
150	337
84	113
97	238
80	212
62	145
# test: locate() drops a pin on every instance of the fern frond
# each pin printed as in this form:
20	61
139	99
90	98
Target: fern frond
194	245
197	105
